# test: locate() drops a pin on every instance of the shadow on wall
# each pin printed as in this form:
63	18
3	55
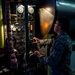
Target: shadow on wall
71	34
73	61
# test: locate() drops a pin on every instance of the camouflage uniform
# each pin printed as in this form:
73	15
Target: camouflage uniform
60	55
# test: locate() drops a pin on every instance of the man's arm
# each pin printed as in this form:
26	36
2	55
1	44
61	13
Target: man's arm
45	41
55	55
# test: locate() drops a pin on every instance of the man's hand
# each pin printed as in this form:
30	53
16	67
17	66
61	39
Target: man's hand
37	40
38	54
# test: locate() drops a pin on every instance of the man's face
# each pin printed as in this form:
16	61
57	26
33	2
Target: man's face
57	27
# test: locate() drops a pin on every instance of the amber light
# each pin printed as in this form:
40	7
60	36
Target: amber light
31	27
45	25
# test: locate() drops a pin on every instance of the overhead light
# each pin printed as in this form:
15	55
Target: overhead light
59	3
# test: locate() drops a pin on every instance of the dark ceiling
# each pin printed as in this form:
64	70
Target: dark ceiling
72	1
66	8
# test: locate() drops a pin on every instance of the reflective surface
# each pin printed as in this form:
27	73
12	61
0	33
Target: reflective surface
45	17
46	21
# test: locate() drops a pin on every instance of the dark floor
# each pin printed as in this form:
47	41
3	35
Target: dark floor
29	71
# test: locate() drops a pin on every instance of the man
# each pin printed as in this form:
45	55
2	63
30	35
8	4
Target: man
60	52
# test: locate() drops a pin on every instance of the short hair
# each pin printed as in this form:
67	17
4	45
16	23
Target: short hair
64	23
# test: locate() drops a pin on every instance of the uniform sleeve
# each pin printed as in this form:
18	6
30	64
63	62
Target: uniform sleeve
45	41
55	55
